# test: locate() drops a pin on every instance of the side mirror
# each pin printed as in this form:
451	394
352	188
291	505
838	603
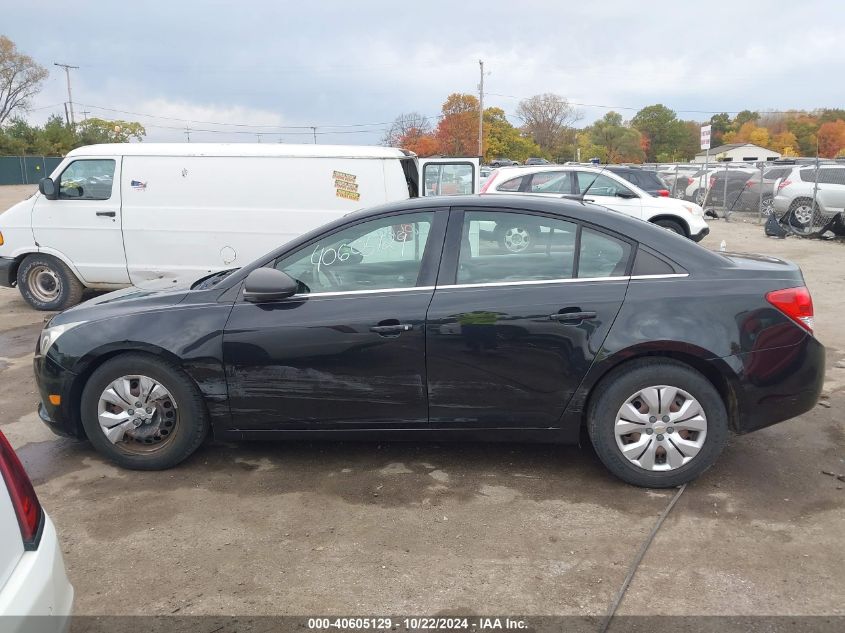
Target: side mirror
48	188
626	194
268	284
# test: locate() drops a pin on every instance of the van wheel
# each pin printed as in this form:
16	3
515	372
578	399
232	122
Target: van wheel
657	423
143	412
46	283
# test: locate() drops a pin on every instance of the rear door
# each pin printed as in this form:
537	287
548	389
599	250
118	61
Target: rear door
449	176
510	334
832	189
84	223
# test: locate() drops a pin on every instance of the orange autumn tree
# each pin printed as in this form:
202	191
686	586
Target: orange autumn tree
457	131
831	137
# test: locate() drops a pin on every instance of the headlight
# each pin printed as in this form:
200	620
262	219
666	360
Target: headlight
49	335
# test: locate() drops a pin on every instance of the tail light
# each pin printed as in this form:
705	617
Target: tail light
663	193
489	181
784	183
24	501
690	181
712	182
796	303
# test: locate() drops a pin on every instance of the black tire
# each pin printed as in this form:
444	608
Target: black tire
614	390
672	225
190	429
66	291
804	217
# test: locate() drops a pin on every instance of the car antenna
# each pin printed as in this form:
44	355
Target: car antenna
580	196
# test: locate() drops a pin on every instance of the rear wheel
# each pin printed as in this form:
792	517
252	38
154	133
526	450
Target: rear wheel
46	283
804	216
143	412
657	423
671	225
515	239
700	197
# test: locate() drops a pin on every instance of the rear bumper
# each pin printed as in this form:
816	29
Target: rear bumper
777	384
38	587
8	272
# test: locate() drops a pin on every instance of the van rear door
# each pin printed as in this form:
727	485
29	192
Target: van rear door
448	176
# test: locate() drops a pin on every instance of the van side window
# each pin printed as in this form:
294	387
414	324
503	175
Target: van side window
87	180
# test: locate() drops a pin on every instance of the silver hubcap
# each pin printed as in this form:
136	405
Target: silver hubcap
699	197
804	214
138	413
517	239
44	283
660	428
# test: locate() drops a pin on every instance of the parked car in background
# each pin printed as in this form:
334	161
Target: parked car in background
645	179
483	174
750	199
410	319
130	213
33	581
537	161
807	197
725	187
699	181
677	178
503	162
603	187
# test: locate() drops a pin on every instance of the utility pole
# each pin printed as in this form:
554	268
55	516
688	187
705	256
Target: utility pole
85	114
67	68
481	112
188	132
314	130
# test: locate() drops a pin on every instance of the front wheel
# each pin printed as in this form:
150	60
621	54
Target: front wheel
143	412
46	283
672	225
657	423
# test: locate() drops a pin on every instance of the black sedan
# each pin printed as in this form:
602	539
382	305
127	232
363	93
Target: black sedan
411	321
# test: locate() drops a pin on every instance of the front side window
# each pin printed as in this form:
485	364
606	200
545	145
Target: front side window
448	179
378	254
507	247
601	185
551	182
87	180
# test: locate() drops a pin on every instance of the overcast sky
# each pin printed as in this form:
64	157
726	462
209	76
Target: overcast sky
271	64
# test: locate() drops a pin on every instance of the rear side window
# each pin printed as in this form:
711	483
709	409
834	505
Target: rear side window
87	180
510	185
649	180
551	182
832	176
808	175
602	255
501	247
648	264
600	185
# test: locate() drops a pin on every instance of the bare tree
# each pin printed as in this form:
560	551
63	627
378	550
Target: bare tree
20	78
546	118
406	128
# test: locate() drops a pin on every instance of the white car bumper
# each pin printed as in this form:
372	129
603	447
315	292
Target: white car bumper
38	595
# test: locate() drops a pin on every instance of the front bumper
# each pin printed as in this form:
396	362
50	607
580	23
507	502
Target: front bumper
8	272
38	595
697	237
52	379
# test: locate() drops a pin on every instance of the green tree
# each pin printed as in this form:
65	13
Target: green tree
746	116
93	131
20	79
501	139
660	125
612	142
720	124
805	128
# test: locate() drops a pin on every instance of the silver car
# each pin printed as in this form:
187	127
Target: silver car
807	199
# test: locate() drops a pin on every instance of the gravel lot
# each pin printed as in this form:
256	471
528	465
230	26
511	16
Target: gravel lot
422	528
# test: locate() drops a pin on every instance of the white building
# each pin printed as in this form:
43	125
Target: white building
737	152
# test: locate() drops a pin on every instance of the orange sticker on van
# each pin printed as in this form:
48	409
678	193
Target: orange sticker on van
346	185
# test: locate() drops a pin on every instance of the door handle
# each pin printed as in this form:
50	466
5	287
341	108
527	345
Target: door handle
572	316
588	199
387	330
107	214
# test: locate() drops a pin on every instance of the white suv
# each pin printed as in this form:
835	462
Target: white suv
33	581
593	184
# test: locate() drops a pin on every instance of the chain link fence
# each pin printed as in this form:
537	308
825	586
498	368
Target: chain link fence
805	196
26	170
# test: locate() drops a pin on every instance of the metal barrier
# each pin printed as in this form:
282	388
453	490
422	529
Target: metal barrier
26	170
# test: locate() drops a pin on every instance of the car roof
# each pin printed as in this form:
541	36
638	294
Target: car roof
240	149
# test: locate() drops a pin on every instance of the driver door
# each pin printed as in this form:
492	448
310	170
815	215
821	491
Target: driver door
348	350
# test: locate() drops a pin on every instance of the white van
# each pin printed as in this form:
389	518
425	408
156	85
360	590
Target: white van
125	214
